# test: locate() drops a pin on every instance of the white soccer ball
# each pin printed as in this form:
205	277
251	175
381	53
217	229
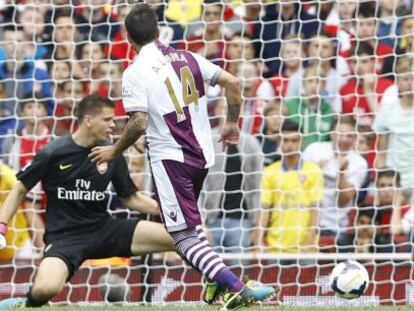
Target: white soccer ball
349	279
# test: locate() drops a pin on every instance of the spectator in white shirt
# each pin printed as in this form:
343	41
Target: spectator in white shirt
395	125
344	172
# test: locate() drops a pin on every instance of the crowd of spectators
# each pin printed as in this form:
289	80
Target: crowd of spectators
325	157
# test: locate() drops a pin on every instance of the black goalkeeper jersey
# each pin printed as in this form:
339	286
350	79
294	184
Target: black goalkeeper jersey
75	187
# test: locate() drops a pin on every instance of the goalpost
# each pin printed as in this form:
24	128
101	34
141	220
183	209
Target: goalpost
76	61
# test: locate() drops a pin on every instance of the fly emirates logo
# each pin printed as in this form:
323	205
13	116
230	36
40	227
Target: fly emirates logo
82	192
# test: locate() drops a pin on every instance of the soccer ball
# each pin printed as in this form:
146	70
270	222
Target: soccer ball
349	279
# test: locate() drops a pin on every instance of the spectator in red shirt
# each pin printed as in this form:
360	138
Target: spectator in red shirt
340	24
367	32
362	94
257	93
119	48
292	52
388	197
210	44
386	211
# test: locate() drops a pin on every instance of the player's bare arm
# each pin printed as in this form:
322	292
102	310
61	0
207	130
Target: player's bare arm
9	209
230	133
134	129
141	203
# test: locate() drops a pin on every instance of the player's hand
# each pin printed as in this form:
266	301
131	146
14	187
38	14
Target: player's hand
230	134
3	231
102	154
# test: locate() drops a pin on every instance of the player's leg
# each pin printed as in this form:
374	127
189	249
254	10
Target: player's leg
49	281
151	237
177	187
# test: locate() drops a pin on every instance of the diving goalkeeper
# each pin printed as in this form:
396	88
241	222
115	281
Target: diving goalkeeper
78	226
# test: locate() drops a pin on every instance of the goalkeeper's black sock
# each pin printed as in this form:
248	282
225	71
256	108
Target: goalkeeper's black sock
31	302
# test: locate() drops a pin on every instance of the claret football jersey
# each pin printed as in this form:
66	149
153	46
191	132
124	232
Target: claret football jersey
168	84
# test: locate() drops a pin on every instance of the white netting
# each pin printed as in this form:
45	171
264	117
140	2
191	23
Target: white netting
309	62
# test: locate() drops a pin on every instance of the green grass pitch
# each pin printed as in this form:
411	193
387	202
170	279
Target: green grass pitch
210	308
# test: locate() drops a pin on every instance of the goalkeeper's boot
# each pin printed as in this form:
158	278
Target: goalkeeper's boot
212	292
252	292
13	303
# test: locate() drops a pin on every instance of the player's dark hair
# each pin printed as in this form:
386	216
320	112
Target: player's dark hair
289	126
92	105
388	172
142	24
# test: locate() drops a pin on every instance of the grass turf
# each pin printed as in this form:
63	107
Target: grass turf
210	308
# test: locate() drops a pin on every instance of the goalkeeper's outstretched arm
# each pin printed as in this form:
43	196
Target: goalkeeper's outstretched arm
9	209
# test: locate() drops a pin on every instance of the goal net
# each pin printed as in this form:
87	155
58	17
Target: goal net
323	171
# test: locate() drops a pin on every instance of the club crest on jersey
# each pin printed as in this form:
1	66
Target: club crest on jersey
102	167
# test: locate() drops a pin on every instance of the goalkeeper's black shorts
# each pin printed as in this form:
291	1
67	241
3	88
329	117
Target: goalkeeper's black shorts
108	238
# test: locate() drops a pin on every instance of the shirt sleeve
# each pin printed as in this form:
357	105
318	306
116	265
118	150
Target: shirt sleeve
209	71
134	91
388	102
32	173
121	180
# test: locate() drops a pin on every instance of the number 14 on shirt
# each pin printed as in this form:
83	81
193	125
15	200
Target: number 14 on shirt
189	91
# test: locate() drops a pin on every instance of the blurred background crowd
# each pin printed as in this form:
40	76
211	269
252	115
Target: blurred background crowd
325	158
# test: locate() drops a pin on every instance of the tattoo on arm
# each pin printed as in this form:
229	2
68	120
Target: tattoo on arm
233	112
135	127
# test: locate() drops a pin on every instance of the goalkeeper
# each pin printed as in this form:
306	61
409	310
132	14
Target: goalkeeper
78	226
